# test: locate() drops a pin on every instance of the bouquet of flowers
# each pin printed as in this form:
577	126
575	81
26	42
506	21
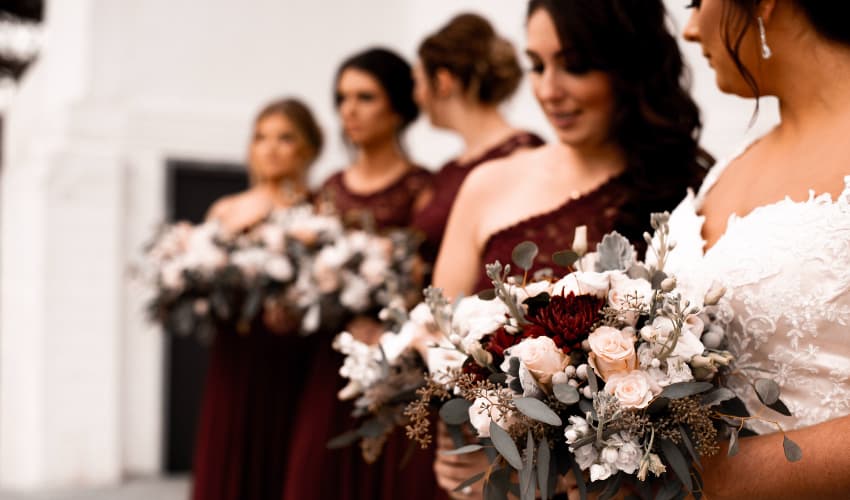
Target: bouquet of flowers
607	372
297	261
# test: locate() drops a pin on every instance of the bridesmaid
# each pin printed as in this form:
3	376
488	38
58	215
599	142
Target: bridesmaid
381	188
246	414
465	72
626	147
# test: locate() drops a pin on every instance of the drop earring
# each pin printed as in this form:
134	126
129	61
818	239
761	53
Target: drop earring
766	53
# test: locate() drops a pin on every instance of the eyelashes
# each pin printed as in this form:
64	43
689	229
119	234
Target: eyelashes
694	4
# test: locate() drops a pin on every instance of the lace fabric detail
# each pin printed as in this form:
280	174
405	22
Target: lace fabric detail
786	267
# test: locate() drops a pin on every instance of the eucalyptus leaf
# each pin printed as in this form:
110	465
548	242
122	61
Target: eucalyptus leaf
469	482
524	254
487	294
657	405
591	379
455	411
372	428
669	490
685	389
638	272
678	463
470	448
566	393
498	485
579	476
505	445
565	258
543	459
792	451
343	440
536	409
780	407
733	442
612	487
717	396
690	447
734	407
657	278
498	378
527	484
767	391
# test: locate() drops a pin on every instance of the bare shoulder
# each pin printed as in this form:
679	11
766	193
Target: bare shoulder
493	175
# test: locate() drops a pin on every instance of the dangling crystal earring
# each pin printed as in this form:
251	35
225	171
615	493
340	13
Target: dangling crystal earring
766	53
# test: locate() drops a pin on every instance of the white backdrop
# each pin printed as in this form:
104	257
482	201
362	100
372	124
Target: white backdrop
121	86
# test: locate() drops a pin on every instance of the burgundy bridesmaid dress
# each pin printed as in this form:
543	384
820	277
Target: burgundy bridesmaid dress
432	219
403	471
253	383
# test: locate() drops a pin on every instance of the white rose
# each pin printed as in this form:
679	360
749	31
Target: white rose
374	270
441	359
626	293
583	283
474	318
542	358
481	413
273	237
279	268
634	389
530	290
611	351
355	294
421	314
688	345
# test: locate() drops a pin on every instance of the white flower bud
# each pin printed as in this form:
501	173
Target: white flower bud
668	285
571	436
671	245
585	345
581	371
580	240
570	371
713	338
586	392
560	378
714	294
655	363
573	382
647	333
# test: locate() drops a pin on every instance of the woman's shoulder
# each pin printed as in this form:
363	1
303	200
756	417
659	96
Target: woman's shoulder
224	205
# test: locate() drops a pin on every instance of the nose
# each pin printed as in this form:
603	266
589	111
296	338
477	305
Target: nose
691	31
550	87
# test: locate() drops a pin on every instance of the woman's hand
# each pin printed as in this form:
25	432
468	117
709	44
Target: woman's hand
452	470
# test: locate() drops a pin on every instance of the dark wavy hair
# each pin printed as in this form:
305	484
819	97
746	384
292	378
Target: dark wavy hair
393	74
470	49
829	19
656	122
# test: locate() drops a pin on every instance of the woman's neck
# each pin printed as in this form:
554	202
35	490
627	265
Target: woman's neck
378	158
285	191
606	158
812	83
481	128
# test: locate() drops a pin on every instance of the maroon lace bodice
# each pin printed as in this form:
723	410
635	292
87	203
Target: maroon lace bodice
389	207
431	220
616	205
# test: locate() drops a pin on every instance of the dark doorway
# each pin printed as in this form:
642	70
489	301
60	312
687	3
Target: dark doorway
192	187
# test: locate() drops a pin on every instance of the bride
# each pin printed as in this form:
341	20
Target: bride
773	225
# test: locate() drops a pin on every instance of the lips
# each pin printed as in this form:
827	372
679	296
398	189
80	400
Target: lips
564	119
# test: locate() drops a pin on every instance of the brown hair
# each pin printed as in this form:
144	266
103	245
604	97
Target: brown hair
301	117
470	49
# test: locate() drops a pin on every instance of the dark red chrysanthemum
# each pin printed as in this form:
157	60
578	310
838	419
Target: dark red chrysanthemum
501	339
566	319
471	367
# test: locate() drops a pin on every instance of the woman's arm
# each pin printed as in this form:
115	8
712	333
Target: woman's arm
459	260
760	470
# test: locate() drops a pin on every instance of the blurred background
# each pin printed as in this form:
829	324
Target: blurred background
117	115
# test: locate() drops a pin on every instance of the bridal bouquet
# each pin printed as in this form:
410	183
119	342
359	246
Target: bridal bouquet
607	372
298	262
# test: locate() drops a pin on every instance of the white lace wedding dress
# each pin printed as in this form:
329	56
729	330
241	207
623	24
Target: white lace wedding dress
787	270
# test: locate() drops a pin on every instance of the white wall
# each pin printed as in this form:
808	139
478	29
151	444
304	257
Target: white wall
120	87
